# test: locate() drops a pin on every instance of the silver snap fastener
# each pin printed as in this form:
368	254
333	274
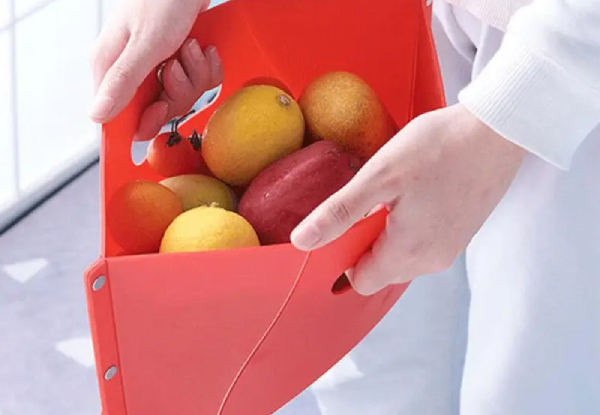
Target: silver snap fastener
110	372
99	283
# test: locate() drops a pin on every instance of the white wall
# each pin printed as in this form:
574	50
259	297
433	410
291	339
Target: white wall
45	93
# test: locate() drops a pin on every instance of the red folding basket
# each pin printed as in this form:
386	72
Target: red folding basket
244	331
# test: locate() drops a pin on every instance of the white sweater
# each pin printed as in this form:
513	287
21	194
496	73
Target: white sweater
542	88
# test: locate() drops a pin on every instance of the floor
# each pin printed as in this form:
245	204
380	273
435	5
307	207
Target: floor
47	363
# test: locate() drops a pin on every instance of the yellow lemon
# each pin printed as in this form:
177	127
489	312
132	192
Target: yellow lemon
208	228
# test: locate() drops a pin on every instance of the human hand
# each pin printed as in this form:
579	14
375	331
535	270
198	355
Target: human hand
441	177
137	39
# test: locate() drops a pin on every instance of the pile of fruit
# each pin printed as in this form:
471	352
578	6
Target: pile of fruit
263	162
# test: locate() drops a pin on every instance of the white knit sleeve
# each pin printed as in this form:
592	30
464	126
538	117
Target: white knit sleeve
541	90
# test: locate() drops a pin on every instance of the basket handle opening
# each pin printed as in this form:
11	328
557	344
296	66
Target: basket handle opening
139	149
341	285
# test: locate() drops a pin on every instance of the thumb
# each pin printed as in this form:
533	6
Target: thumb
123	78
340	211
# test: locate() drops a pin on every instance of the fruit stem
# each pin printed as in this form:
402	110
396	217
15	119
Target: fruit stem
174	136
195	140
174	139
284	100
175	123
192	111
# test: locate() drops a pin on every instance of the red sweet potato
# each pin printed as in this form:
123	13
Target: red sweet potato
284	193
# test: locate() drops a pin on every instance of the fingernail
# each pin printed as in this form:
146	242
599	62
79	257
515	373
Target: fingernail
362	286
178	73
216	66
213	55
194	50
366	291
102	107
306	236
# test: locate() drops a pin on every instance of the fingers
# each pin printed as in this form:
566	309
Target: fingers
186	80
170	103
370	187
122	63
123	77
331	219
153	119
108	47
387	262
178	88
204	68
216	67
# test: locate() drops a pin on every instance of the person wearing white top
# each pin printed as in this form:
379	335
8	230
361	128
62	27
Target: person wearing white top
513	327
494	207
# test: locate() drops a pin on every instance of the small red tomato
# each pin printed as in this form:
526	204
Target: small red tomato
171	154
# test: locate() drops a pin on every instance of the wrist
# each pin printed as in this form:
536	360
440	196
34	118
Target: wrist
480	131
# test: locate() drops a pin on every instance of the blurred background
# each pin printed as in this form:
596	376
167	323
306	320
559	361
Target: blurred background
49	206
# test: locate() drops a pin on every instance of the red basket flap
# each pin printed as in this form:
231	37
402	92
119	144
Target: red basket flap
315	329
186	323
183	329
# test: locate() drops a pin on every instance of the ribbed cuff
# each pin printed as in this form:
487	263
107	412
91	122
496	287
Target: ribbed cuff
532	102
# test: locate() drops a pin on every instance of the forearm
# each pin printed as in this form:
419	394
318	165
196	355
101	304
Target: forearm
542	88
